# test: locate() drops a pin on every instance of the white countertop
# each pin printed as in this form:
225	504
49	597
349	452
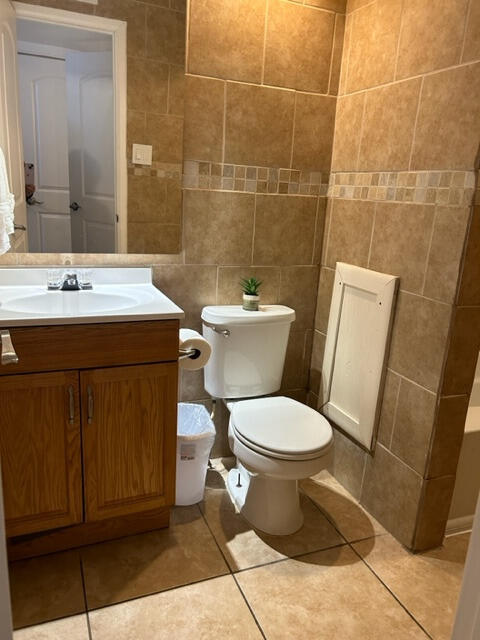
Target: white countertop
123	294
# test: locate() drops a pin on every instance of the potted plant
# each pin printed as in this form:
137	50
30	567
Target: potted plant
251	296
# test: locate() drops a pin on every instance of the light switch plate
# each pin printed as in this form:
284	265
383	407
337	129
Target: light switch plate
142	154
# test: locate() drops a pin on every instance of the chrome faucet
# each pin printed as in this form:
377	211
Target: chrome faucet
70	282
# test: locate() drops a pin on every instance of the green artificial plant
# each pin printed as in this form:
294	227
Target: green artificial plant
250	286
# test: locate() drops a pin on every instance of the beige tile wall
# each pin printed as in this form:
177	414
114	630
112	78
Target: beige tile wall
407	128
261	82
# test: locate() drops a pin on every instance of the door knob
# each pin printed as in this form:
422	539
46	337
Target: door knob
75	206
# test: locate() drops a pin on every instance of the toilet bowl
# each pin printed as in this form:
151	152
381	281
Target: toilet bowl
277	442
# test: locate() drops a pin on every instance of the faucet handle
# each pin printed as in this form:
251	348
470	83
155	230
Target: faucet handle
54	279
85	278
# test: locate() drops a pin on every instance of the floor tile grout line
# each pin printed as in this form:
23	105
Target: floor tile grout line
48	620
310	553
232	574
155	593
173	588
84	588
250	608
333	523
151	593
326	516
291	557
215	540
384	584
375	535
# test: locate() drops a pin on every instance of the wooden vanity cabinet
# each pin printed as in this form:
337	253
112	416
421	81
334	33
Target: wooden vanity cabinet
127	439
88	452
40	446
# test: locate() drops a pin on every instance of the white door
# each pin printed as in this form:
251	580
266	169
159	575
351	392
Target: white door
10	130
91	130
43	105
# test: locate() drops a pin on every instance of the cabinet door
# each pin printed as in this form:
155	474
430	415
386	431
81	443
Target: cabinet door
129	438
40	448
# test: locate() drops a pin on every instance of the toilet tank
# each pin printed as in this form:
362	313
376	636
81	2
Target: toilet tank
248	349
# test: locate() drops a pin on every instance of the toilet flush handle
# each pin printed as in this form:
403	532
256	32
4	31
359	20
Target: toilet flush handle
224	332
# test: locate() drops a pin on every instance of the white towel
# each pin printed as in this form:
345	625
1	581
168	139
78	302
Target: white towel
7	207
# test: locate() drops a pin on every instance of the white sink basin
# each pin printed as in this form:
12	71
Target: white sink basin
72	302
121	294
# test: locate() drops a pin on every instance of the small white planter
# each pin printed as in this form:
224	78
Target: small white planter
250	303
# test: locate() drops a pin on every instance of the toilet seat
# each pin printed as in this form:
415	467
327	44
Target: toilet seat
281	428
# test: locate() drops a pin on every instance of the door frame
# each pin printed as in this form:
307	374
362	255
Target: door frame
117	29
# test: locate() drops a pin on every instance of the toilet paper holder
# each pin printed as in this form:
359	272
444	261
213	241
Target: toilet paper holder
193	354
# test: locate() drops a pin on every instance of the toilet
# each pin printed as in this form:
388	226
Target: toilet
277	441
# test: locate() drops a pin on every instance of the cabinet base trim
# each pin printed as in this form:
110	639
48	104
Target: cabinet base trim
79	535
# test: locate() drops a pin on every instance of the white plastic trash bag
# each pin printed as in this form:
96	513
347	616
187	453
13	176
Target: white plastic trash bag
195	438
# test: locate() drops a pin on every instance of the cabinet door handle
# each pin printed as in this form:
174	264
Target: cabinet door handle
8	350
89	404
71	404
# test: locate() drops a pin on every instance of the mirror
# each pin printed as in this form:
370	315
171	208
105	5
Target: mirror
83	101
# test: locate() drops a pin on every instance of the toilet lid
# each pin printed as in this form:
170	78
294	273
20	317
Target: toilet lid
282	427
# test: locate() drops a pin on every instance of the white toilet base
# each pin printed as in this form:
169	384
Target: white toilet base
269	504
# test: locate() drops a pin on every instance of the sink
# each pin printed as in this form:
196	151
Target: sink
70	303
118	294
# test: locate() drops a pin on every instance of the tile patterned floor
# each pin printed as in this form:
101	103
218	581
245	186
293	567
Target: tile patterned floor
342	577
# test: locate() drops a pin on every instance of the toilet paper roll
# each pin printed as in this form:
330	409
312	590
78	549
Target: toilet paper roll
190	339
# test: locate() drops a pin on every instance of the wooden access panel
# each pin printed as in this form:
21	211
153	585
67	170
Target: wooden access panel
129	438
356	349
40	450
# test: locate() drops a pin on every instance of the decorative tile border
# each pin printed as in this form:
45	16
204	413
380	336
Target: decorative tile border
455	188
156	170
234	177
447	188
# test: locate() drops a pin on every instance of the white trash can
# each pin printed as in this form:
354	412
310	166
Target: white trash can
195	438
